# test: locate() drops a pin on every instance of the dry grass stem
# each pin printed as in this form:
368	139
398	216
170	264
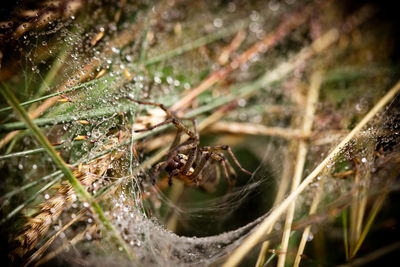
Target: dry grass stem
258	234
256	129
312	100
306	233
232	47
289	23
284	183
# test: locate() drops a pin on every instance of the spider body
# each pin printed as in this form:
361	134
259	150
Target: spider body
188	160
177	162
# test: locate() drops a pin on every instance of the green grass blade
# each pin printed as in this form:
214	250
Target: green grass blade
78	188
345	233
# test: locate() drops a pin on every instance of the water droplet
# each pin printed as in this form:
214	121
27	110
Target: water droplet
157	79
242	102
218	23
231	7
274	5
115	50
254	16
310	237
88	236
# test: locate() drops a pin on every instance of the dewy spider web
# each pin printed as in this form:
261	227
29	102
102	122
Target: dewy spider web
154	245
118	161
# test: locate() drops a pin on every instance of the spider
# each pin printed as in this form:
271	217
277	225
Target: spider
188	160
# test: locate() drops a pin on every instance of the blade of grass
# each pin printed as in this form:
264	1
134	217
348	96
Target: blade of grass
65	118
373	255
345	232
375	209
29	200
79	189
145	42
35	151
32	184
199	42
80	86
361	196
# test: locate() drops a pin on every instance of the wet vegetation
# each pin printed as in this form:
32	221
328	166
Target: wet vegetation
305	93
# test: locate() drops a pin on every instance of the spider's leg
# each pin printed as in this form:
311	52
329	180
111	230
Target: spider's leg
185	146
172	174
231	170
191	159
201	161
226	148
154	126
178	124
171	118
169	114
193	154
176	140
221	159
156	171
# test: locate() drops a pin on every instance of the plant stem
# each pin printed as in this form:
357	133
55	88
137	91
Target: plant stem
312	100
35	151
